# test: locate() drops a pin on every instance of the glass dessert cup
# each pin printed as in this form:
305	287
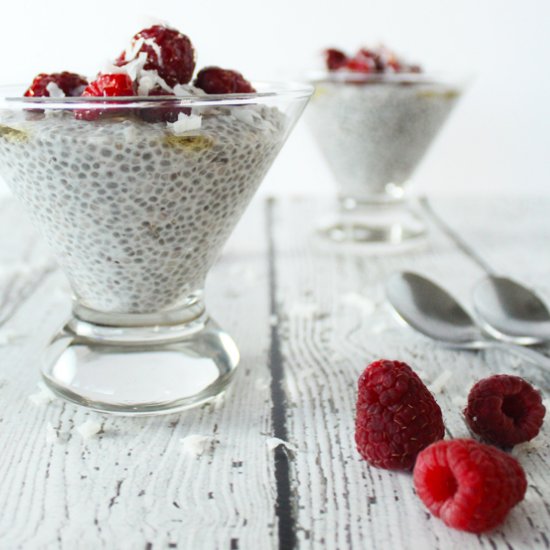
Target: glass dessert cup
373	130
136	210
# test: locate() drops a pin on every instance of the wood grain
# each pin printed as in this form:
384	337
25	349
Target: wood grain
340	501
294	312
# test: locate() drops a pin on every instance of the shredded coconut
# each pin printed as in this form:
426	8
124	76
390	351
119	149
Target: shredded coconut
89	429
261	384
53	435
459	401
133	49
43	396
304	309
274	442
440	382
185	123
147	80
358	301
152	43
54	90
196	445
186	89
7	337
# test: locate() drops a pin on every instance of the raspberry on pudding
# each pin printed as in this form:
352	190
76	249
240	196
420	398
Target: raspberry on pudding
57	85
166	51
214	80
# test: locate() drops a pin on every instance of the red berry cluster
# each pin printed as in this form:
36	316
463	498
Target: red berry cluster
469	485
167	52
368	61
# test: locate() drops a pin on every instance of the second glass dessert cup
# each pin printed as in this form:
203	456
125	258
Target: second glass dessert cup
136	210
373	130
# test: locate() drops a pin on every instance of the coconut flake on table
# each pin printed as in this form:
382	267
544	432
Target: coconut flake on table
358	301
43	396
304	309
440	382
8	336
196	445
89	429
459	401
273	442
185	123
53	435
54	90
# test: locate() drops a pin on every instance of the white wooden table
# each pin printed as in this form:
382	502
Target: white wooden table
305	336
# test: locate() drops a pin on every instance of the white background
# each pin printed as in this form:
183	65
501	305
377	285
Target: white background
497	138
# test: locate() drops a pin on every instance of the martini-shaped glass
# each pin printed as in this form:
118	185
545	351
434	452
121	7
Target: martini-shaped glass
136	210
373	131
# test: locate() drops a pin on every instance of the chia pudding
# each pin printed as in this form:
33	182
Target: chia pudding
374	116
375	134
135	211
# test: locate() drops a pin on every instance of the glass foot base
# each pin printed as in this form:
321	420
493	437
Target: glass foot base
165	370
374	229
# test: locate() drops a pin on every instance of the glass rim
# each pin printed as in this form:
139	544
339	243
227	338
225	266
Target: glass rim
266	90
344	76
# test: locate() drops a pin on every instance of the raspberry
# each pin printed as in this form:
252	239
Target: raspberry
71	84
214	80
168	113
106	85
335	59
169	52
469	485
397	416
504	410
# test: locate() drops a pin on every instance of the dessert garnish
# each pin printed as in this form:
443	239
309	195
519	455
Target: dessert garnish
368	60
214	80
57	85
469	485
504	410
396	416
159	61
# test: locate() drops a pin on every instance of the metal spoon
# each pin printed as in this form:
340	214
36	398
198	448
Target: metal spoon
510	310
431	310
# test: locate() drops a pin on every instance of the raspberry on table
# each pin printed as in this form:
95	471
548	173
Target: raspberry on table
214	80
469	485
504	410
106	85
168	51
71	84
396	416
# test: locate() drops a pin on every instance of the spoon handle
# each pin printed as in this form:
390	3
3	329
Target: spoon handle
528	354
451	233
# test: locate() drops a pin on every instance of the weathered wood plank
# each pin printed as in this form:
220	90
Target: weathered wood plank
133	486
326	341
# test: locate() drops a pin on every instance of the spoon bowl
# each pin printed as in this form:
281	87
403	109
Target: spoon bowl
511	311
432	311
